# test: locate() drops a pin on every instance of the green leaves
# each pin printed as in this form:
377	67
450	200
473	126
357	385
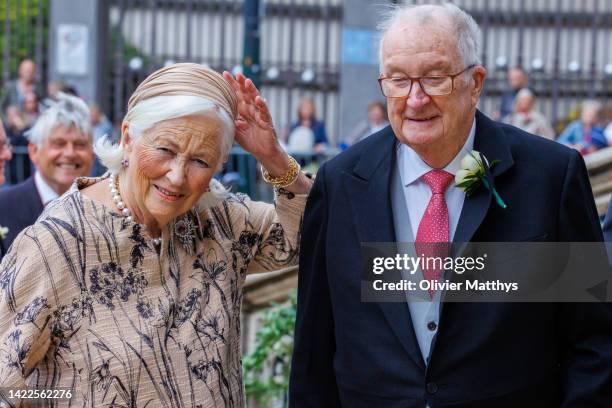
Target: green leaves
266	368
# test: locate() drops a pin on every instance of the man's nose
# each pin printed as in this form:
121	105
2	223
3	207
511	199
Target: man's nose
417	97
69	150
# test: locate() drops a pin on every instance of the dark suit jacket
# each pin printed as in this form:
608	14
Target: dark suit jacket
20	206
355	354
607	225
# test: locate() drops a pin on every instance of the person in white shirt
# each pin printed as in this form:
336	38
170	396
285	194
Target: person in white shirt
60	147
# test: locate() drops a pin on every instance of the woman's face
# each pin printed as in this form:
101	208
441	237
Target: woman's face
171	164
306	110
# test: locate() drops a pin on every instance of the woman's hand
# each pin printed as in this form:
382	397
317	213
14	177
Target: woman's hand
255	132
254	128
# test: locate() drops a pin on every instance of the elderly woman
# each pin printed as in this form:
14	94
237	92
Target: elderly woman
127	290
585	134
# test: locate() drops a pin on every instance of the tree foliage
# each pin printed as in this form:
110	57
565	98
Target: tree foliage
266	368
21	28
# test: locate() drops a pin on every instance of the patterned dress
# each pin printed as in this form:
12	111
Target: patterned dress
88	303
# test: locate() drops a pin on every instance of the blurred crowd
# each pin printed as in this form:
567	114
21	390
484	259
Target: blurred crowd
588	129
23	103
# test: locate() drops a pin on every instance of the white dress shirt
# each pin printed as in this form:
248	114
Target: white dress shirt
45	191
426	314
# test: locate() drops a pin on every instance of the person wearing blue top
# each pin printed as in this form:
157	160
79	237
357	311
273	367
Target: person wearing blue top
584	134
307	118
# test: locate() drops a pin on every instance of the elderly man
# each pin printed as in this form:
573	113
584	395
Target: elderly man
397	186
5	156
60	147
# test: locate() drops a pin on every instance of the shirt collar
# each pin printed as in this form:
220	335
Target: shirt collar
415	167
45	191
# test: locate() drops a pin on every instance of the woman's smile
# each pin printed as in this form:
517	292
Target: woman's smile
167	195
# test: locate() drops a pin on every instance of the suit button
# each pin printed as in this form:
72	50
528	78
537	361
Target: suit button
432	387
432	326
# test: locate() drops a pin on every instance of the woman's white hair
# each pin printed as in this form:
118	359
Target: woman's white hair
68	111
466	29
148	113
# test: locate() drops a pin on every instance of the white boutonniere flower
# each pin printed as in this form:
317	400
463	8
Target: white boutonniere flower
3	231
474	172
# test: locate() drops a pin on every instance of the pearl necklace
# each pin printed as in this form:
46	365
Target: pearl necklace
113	184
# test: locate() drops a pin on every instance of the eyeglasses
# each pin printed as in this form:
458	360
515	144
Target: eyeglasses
6	144
432	85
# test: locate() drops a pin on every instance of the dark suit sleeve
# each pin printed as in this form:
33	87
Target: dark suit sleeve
607	225
585	329
313	381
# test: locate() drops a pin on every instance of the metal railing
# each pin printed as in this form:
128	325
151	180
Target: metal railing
19	167
300	52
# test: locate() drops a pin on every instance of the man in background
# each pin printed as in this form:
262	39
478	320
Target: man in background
60	146
517	80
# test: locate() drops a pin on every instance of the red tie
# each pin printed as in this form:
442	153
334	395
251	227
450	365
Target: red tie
432	235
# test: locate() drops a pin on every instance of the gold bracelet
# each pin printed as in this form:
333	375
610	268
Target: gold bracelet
283	180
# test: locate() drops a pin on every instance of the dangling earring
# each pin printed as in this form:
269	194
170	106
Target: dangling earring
125	162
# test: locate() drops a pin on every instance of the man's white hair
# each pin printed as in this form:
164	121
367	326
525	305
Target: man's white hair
467	31
147	113
68	111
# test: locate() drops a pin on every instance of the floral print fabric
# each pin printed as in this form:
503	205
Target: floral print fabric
88	303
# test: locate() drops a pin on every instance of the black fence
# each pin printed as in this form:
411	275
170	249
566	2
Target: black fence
563	45
24	35
300	48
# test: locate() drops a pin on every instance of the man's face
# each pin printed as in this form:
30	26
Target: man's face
27	71
517	79
64	155
419	120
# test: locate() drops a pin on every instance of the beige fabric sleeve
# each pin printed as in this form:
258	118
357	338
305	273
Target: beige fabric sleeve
279	225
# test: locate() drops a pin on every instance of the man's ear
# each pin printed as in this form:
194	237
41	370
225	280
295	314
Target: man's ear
33	152
479	74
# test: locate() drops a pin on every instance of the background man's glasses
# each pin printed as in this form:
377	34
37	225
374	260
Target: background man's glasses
435	85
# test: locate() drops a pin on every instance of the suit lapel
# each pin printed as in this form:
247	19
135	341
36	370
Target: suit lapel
491	142
369	190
